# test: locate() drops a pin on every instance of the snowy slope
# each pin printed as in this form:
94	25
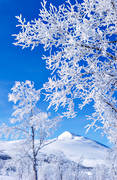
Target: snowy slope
75	148
86	152
78	149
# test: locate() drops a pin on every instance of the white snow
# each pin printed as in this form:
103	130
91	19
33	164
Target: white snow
8	178
65	135
76	148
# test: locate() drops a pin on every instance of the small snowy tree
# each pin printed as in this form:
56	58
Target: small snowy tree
81	39
29	123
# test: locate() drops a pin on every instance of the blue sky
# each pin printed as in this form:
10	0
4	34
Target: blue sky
20	65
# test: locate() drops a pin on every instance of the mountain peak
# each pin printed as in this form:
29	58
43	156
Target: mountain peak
65	135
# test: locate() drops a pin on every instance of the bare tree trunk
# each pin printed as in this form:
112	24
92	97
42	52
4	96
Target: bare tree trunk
61	174
34	155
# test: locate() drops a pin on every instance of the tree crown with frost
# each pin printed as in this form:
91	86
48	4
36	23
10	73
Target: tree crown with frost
81	39
29	123
26	114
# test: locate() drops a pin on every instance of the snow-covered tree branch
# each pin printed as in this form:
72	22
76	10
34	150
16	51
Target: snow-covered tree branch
28	123
82	41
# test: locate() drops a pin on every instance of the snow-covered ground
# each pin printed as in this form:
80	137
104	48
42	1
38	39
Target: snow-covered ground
8	178
75	148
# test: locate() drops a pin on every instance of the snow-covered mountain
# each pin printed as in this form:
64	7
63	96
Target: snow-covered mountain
74	147
78	149
70	147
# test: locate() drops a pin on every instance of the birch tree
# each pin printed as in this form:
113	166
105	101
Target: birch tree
81	39
29	123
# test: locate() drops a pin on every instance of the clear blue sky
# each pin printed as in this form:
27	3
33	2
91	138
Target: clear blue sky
20	65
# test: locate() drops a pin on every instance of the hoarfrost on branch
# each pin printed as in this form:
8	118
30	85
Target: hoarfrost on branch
81	39
29	124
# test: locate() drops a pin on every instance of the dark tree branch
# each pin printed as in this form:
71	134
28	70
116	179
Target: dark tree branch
34	154
110	42
111	105
98	49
